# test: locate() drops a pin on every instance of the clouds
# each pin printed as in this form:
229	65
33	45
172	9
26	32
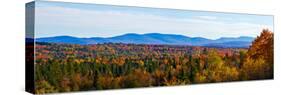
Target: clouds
59	20
207	17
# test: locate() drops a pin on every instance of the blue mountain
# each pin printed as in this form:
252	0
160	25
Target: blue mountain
227	39
62	39
154	38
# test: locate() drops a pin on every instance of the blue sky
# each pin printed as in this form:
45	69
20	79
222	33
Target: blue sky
91	20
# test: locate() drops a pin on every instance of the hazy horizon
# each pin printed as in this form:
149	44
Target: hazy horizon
138	34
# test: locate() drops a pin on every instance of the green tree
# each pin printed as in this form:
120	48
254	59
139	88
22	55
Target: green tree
43	86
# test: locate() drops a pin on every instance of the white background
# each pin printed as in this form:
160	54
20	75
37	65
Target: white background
12	36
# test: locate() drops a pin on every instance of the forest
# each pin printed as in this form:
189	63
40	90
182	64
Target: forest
73	67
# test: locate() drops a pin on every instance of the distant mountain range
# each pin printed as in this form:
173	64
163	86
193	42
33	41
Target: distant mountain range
155	38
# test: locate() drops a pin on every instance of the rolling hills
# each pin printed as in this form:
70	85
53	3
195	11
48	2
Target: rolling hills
155	38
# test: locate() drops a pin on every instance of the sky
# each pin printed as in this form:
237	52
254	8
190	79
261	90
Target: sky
93	20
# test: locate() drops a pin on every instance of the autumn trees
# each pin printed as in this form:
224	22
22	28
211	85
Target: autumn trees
259	59
216	70
69	67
